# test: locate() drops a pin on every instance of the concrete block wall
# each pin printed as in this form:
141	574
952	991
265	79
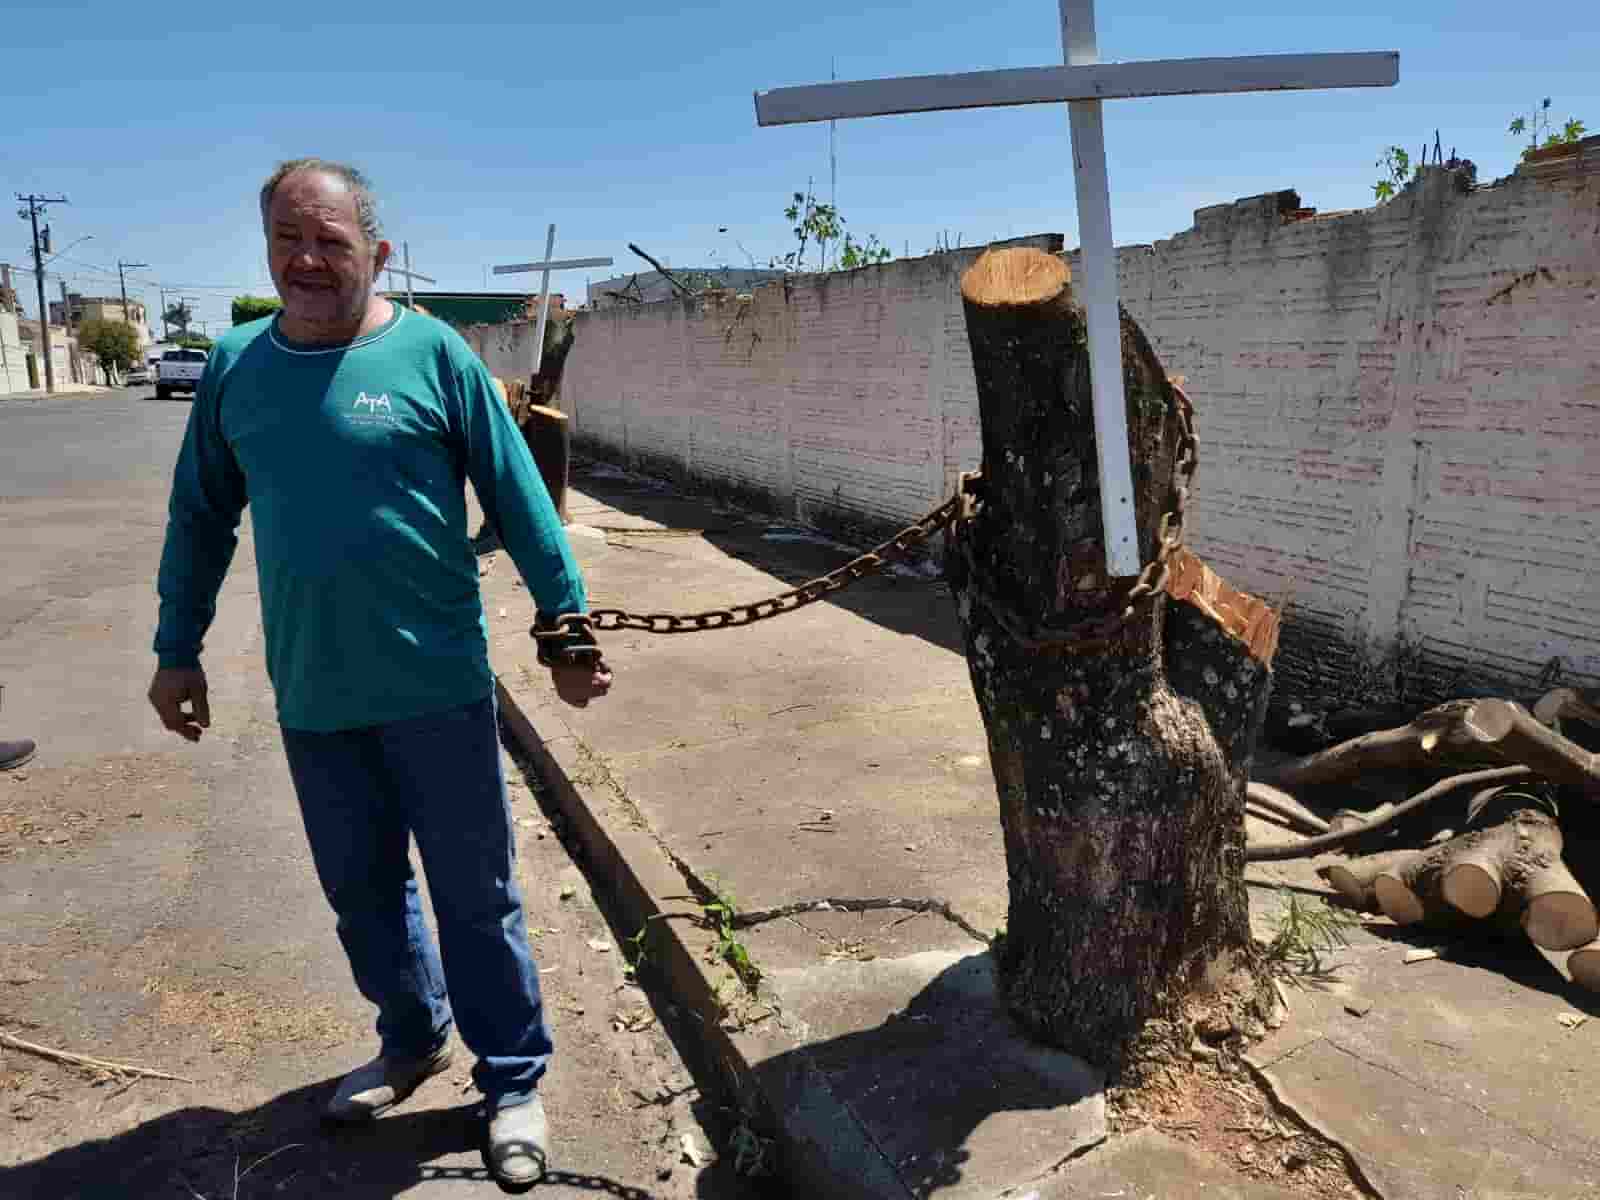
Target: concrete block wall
506	349
846	395
1399	411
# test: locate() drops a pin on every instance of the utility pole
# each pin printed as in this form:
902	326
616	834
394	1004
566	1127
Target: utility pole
165	332
123	280
35	206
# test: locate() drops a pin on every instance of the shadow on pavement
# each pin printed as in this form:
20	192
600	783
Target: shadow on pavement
947	1090
1475	948
281	1148
918	606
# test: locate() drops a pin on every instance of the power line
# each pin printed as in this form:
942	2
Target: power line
111	272
35	205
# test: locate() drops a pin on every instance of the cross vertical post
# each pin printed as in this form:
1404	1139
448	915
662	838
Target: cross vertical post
1099	259
408	273
544	300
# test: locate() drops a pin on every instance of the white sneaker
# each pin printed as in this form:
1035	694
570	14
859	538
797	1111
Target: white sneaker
519	1143
372	1090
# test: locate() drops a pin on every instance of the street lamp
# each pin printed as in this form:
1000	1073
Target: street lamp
86	237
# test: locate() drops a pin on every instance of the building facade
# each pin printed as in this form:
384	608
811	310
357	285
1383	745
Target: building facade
102	308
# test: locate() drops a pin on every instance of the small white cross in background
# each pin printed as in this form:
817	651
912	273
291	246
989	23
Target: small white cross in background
1083	83
391	270
549	264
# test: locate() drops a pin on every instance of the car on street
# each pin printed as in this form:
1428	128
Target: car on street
179	371
138	376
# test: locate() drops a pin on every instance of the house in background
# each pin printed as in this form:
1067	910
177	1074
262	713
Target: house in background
104	308
68	361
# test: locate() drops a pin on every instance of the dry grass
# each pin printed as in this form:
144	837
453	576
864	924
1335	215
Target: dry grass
60	808
241	1021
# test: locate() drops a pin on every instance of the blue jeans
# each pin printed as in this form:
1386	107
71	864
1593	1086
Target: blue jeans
363	793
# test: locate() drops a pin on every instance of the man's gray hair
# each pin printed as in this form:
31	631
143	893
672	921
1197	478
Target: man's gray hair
351	177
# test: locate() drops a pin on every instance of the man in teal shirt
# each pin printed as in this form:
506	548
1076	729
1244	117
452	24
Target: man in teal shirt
350	425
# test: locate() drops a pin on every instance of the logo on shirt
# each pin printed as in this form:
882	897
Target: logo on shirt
368	410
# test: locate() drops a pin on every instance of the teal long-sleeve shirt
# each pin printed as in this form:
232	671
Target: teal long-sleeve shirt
353	459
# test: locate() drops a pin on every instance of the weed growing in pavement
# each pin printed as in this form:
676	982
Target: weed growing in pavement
634	951
718	913
753	1154
1306	930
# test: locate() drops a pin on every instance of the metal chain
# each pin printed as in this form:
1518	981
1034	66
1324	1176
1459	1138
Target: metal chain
1095	631
899	546
959	507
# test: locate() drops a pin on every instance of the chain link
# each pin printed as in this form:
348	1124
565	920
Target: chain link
900	546
959	507
1093	632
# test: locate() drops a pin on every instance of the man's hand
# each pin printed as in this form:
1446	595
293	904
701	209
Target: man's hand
578	683
170	690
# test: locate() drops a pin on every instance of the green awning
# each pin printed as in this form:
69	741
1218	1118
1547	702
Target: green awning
472	308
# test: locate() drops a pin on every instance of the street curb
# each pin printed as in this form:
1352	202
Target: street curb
825	1149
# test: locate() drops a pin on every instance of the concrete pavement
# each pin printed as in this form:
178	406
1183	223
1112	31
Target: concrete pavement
801	766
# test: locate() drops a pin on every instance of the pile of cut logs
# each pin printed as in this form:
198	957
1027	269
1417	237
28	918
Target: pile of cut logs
1481	813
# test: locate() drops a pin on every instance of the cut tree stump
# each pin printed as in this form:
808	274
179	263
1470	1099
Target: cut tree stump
1120	763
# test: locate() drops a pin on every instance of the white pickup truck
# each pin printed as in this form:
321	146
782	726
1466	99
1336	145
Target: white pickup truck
179	371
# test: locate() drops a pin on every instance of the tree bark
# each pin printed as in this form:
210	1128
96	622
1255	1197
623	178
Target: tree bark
1120	760
544	387
549	438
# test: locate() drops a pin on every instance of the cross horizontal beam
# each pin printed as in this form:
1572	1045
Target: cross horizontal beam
555	265
1098	81
410	274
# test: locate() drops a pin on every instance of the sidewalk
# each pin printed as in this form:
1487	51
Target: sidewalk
837	754
62	389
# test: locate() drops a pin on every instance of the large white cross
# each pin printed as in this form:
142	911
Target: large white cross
549	264
1083	83
391	270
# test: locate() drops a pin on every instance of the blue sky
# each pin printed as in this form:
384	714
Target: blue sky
627	121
